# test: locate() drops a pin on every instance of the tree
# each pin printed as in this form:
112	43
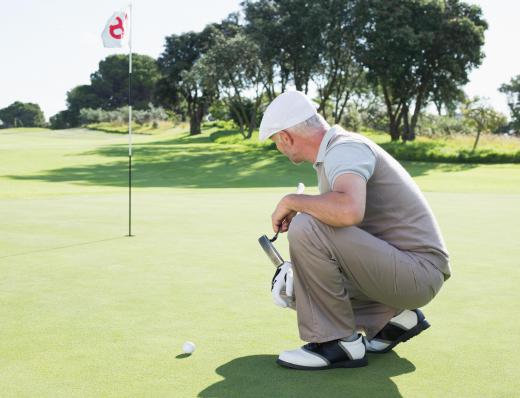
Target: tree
339	76
482	117
263	27
413	48
446	94
307	42
63	120
199	93
80	97
20	114
180	88
108	88
109	84
288	35
512	90
233	66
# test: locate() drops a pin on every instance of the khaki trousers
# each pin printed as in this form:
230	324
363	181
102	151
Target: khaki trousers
347	280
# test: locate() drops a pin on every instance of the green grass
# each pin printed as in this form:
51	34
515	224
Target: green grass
22	130
87	312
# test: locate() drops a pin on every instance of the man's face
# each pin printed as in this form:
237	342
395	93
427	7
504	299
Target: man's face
288	145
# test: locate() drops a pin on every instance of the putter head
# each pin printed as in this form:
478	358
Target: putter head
270	250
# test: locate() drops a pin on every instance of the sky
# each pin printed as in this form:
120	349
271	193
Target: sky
51	46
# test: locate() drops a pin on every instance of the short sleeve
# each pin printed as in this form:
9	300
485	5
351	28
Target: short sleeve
349	157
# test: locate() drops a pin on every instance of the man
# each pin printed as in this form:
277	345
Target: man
366	252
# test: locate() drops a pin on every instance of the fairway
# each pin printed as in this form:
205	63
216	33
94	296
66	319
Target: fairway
88	312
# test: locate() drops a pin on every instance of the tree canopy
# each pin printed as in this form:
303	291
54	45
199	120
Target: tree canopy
108	88
512	90
22	114
417	51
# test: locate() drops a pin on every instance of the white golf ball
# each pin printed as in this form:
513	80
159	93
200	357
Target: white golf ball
300	189
188	347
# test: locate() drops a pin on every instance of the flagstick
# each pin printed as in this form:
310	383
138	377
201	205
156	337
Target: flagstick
130	124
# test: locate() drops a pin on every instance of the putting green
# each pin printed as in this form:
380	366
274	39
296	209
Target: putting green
87	312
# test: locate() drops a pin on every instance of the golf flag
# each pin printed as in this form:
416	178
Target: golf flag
116	32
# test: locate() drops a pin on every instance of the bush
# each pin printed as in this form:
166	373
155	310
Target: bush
120	115
367	112
63	120
219	110
432	125
448	151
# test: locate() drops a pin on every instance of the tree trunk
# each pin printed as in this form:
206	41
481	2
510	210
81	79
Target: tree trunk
252	120
341	110
438	105
394	119
251	127
195	124
411	136
196	119
269	85
241	116
394	131
406	124
395	124
416	113
476	141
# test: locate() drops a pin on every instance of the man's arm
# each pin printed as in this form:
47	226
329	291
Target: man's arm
342	207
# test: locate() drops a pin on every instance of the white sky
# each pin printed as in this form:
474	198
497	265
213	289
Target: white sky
48	47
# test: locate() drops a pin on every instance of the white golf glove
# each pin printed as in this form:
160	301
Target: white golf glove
282	286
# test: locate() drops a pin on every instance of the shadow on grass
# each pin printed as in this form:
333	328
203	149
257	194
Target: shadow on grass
182	356
63	247
198	162
260	376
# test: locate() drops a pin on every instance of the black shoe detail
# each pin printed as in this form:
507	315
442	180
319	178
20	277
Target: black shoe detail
395	335
332	353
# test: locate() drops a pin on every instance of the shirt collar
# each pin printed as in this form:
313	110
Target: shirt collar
325	143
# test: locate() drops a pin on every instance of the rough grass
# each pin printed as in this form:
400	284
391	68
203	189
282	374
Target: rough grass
447	149
88	312
122	128
454	149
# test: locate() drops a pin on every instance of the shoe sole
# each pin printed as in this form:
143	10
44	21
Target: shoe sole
420	327
356	363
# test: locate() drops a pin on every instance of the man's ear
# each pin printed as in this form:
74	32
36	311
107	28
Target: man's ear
286	137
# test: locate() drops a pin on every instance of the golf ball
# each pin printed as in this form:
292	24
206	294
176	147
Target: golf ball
300	188
188	347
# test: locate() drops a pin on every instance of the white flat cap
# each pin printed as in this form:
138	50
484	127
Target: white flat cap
286	110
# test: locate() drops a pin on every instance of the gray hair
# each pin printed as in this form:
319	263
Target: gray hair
312	124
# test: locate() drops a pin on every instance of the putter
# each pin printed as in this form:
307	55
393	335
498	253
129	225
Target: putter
270	250
267	244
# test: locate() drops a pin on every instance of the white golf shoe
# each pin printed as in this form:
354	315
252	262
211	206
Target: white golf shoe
401	328
332	354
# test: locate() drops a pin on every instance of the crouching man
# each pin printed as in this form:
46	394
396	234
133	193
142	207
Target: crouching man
366	252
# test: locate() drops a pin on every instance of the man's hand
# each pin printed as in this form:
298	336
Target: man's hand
283	281
342	207
282	216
